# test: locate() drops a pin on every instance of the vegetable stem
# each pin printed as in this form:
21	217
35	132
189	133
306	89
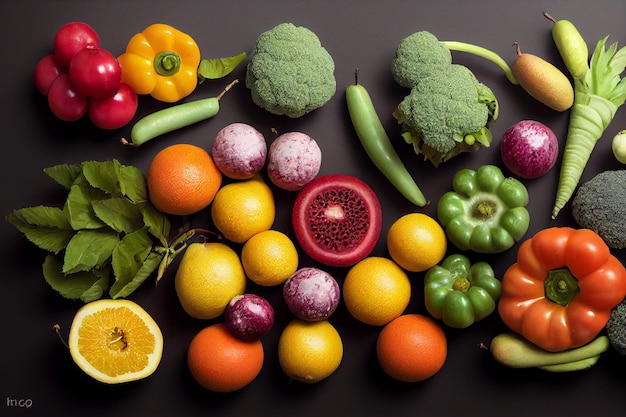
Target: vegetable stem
483	53
167	63
225	90
560	286
57	330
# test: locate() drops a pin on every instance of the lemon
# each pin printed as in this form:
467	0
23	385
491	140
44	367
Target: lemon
309	351
208	277
115	341
416	242
269	258
376	290
242	209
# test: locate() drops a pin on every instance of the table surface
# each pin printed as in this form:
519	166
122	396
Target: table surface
38	373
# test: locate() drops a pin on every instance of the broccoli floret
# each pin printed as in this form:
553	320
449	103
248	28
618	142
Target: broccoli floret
616	328
417	56
290	72
599	205
447	113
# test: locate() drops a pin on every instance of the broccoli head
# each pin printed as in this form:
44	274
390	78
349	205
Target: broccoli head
417	56
599	205
616	328
446	113
290	73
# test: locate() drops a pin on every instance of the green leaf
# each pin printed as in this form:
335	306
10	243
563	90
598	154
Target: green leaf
119	213
89	249
129	254
157	223
103	175
64	174
79	206
46	227
213	69
123	288
132	184
604	76
86	286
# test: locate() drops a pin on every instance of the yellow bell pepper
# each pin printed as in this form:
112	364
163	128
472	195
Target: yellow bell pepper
161	61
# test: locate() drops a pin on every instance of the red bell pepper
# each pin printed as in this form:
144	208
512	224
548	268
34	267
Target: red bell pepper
560	292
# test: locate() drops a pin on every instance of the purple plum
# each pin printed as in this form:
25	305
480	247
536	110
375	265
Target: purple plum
293	160
249	316
311	294
239	151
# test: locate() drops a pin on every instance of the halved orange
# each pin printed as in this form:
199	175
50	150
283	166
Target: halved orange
115	341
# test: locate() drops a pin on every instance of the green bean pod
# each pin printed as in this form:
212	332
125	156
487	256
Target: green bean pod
174	118
571	46
378	147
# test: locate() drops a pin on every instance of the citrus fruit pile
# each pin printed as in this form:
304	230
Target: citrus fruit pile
337	222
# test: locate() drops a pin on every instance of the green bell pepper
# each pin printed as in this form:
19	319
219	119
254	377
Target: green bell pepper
485	212
461	293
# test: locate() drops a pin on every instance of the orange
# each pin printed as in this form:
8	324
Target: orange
376	290
242	209
416	242
269	258
115	341
182	179
309	351
412	348
222	362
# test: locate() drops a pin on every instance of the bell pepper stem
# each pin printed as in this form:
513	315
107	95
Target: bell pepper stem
485	209
461	284
167	63
561	286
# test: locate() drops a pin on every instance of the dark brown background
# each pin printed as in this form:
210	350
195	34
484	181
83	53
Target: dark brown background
359	34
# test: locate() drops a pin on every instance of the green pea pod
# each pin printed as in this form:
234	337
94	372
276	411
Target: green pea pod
375	140
485	212
459	293
571	46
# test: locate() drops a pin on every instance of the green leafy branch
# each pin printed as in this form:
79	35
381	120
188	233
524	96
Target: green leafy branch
107	237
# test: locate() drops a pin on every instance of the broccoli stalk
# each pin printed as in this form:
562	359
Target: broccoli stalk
483	53
448	111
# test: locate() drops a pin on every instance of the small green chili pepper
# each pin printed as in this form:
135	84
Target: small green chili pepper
376	142
460	293
485	212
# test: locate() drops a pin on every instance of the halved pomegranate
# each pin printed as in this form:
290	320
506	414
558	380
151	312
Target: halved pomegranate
337	219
